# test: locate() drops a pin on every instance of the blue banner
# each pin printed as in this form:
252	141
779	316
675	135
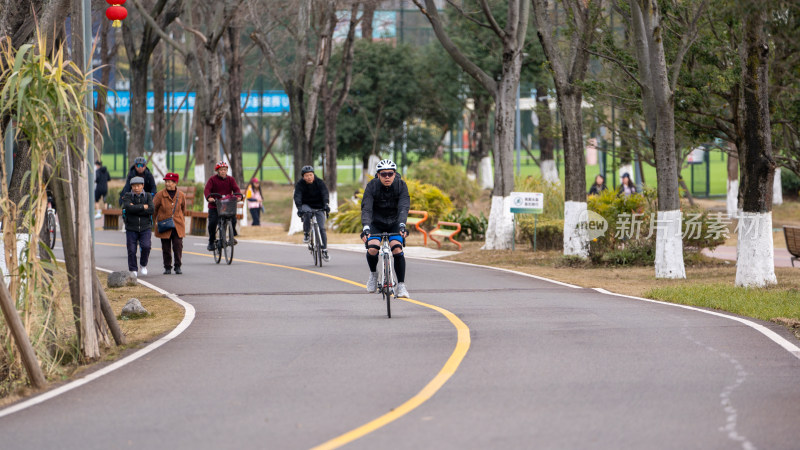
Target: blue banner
266	102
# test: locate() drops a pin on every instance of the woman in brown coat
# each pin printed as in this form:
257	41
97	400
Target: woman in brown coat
165	202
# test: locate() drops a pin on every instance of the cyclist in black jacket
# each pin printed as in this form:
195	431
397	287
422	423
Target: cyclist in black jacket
384	209
310	193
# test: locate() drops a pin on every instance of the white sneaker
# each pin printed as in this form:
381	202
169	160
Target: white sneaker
134	274
144	270
400	291
372	283
325	256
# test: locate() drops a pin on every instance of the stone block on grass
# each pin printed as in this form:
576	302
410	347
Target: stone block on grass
121	279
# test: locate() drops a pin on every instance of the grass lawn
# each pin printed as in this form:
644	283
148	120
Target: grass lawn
270	171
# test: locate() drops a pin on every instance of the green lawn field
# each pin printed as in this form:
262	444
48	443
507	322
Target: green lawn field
347	175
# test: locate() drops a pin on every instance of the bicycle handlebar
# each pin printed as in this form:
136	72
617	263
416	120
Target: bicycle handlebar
235	194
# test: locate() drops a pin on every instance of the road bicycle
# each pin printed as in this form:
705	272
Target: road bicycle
50	226
226	209
386	277
315	238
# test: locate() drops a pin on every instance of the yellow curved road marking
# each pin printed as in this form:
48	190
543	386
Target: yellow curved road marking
450	366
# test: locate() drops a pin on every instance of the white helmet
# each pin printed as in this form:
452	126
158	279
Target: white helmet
385	164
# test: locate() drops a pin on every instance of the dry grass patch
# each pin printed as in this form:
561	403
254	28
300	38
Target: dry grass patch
164	316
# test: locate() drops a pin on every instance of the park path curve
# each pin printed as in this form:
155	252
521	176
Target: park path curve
280	358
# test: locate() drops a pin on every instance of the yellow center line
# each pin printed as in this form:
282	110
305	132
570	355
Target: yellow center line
450	366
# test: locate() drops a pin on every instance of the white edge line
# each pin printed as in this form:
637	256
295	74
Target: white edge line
188	317
773	336
504	270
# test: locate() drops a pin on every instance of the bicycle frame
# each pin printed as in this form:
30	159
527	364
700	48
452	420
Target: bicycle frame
222	243
387	262
315	243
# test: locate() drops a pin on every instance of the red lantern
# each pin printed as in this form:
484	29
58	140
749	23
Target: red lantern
116	13
115	2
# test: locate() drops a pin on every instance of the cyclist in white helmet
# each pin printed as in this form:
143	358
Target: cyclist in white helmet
384	209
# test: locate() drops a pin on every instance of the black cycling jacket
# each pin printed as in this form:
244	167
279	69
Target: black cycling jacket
385	205
314	195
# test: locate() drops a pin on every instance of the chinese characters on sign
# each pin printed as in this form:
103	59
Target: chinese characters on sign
527	202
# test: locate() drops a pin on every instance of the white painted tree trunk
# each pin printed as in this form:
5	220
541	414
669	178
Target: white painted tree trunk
777	188
627	168
199	173
500	230
159	165
369	173
295	224
485	173
755	255
549	171
333	201
669	245
576	238
732	201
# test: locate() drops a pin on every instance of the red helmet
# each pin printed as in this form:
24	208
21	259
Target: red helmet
221	164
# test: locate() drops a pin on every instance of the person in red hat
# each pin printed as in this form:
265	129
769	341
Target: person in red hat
254	200
171	203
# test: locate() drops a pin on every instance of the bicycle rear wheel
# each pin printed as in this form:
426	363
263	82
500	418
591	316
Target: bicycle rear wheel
50	223
387	285
228	247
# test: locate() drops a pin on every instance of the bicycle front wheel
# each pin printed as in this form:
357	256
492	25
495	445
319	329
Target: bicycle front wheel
228	247
317	246
387	285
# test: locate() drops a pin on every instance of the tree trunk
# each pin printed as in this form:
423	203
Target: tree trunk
732	201
658	103
547	164
568	73
500	230
21	339
158	154
107	54
234	103
576	240
138	113
755	265
19	186
367	19
83	271
480	135
300	150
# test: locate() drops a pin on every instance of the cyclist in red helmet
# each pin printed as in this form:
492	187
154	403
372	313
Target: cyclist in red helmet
223	185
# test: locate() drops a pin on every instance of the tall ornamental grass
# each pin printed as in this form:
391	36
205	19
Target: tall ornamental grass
43	95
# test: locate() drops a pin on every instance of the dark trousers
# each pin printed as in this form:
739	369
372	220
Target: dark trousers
213	220
173	245
256	214
136	239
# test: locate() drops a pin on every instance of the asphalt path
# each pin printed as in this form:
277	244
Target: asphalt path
284	355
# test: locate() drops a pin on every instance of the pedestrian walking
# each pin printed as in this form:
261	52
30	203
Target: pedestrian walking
626	186
598	186
137	213
170	203
101	179
255	201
